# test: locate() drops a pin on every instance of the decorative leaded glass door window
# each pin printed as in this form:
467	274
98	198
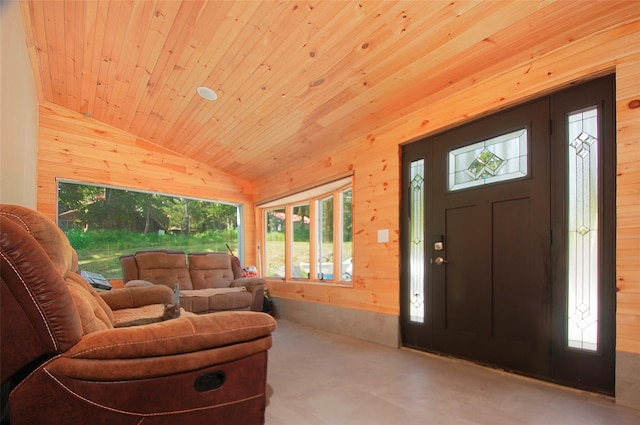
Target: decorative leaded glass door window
583	232
416	242
489	161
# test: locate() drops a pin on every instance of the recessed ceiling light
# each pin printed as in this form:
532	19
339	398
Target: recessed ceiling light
207	93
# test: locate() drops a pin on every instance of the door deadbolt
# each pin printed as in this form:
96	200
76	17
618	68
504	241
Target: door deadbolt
439	261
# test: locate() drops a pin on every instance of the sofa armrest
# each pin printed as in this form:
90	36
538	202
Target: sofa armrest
118	299
129	267
256	286
173	346
251	283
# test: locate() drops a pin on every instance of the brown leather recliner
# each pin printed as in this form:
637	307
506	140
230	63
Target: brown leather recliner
64	362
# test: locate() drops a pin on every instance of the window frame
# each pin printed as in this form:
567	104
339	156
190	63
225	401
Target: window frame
312	197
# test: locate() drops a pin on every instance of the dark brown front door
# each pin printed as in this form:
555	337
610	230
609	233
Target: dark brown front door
494	237
489	279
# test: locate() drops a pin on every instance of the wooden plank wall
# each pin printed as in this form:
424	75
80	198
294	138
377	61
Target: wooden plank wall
81	149
374	159
77	148
628	203
376	167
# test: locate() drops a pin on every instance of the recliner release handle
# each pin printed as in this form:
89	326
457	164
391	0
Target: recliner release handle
210	381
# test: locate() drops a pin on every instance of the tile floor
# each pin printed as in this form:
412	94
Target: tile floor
318	378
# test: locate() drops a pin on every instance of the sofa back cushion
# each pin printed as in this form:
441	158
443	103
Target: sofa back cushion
210	270
164	268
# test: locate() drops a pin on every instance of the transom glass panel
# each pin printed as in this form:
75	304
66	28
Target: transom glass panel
489	161
583	232
416	242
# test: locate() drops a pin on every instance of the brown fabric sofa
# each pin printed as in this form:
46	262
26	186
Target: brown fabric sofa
63	362
209	282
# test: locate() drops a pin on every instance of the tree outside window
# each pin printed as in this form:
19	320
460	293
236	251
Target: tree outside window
324	251
300	255
346	265
103	223
275	242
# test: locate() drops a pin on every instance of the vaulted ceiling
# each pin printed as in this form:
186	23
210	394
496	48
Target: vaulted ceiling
294	79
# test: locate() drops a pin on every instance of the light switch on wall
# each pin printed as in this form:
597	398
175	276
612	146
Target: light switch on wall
383	235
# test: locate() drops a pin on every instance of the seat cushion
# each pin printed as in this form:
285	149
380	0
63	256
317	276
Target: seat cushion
151	311
216	299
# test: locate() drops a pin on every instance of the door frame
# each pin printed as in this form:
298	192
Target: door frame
421	336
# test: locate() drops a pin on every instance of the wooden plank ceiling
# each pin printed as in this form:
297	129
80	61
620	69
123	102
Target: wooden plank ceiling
294	78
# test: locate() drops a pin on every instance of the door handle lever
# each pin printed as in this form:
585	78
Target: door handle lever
440	261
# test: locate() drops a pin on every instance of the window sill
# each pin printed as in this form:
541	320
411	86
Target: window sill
311	282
